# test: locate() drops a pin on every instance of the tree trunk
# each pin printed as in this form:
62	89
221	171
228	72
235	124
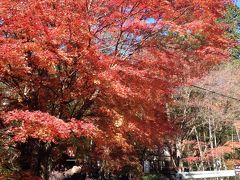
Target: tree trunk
43	164
199	148
211	142
36	158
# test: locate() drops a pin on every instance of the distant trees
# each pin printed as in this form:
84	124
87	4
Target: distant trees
207	114
209	118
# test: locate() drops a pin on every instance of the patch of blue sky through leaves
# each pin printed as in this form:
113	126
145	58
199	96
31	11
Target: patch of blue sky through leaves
237	2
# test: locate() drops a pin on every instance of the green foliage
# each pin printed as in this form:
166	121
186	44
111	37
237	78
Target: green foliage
8	161
237	154
232	18
152	177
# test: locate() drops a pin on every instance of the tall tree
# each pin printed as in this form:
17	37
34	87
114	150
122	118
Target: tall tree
100	69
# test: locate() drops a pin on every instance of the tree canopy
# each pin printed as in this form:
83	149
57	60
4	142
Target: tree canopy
103	70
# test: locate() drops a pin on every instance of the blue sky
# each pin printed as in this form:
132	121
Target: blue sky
238	3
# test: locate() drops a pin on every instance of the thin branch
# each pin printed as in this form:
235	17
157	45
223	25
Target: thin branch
217	93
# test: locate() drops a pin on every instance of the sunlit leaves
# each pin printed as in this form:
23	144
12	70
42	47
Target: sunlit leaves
42	126
103	63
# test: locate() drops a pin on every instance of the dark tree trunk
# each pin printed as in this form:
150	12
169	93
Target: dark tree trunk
43	163
36	158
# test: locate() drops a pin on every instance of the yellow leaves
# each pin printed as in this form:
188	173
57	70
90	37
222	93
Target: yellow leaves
96	81
119	120
119	138
121	141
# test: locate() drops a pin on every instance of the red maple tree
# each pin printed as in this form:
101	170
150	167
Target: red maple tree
102	69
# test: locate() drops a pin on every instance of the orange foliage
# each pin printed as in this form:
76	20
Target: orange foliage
49	128
103	62
228	147
191	159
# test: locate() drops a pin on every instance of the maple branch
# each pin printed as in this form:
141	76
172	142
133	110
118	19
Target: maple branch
87	104
88	4
119	38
